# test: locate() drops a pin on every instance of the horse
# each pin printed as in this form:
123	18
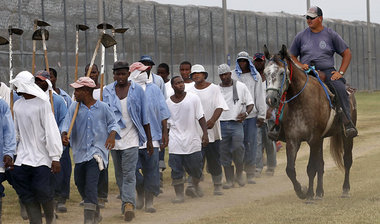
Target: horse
307	116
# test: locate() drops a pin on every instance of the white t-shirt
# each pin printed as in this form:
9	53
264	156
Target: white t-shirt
5	93
211	99
39	141
184	135
129	135
170	90
240	106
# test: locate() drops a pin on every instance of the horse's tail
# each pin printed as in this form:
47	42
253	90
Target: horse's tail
336	149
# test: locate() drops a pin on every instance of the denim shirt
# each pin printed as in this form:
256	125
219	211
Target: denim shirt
60	110
136	106
7	132
66	97
90	131
157	110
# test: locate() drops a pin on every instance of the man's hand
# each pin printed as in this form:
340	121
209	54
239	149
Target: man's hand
305	67
8	162
149	147
164	141
110	142
210	124
336	75
204	140
55	167
260	122
241	117
65	139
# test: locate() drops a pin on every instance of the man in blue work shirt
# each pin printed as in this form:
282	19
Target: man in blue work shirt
93	134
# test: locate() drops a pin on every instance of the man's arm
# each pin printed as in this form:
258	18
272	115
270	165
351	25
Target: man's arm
214	118
202	123
346	59
149	143
242	116
297	62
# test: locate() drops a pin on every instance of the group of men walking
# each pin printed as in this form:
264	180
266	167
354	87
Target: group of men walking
224	126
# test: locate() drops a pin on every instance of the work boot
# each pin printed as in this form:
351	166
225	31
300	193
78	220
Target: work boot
179	192
61	205
197	188
23	213
98	217
129	212
48	208
102	202
89	213
239	175
190	191
250	179
229	173
270	171
140	198
33	210
149	202
274	133
161	182
217	180
349	130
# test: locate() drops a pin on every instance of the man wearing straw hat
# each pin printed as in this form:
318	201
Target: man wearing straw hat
93	134
38	150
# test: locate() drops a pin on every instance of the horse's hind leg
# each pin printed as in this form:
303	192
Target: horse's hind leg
347	159
291	154
313	166
321	170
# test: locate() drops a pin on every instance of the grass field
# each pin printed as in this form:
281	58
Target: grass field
272	200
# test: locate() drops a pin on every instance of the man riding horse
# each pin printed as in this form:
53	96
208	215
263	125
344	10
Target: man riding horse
317	45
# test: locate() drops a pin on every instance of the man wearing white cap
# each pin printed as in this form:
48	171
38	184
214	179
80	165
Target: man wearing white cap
240	102
93	135
318	44
38	150
213	105
246	73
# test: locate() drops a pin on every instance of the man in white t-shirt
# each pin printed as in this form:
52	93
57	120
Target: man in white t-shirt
240	102
213	105
185	141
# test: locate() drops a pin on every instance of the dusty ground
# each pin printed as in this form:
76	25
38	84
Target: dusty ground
220	209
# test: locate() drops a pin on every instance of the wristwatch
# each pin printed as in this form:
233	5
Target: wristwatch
340	72
246	114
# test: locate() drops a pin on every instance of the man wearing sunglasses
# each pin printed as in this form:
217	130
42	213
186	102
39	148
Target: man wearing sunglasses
318	44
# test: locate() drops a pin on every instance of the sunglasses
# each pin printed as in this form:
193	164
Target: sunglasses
312	18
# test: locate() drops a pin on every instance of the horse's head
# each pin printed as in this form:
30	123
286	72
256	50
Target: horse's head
277	75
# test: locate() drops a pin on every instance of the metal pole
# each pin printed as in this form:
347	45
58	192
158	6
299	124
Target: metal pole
103	50
307	4
85	32
66	53
369	48
122	25
21	39
225	31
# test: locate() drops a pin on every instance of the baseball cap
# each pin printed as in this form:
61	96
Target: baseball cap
138	66
223	68
243	55
83	81
42	74
314	11
146	58
259	56
120	65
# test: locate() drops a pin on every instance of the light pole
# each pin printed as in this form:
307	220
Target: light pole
225	31
369	48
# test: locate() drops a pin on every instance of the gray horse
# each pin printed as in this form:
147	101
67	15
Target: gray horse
307	116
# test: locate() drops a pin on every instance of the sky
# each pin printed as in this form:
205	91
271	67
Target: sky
336	9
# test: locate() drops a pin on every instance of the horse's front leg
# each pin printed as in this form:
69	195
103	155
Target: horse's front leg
321	169
347	159
292	148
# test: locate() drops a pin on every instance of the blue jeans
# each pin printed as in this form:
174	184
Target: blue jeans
250	143
86	177
33	184
232	143
103	183
149	179
211	152
192	163
263	141
62	179
125	172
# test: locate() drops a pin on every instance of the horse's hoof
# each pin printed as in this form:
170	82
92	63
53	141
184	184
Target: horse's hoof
318	198
345	195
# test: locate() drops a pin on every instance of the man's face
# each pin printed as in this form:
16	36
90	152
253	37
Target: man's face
148	63
41	83
163	73
178	85
243	64
80	94
121	76
259	65
226	78
53	79
185	71
94	73
314	22
198	77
